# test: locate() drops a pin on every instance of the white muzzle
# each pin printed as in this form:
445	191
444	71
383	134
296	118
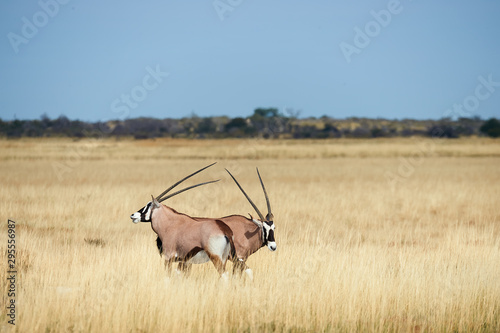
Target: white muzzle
136	217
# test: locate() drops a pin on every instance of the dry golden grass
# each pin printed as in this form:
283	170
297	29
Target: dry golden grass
95	149
356	252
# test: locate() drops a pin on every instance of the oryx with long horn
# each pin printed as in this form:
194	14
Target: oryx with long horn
250	234
183	239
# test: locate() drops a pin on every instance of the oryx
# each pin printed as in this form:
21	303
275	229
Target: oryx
183	239
249	234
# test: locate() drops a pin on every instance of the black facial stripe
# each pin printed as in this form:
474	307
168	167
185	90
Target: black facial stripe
264	235
144	213
270	237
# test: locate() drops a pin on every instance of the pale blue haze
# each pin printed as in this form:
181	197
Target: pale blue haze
283	54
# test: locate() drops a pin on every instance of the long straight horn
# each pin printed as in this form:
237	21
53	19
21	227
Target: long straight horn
180	181
249	200
269	214
185	189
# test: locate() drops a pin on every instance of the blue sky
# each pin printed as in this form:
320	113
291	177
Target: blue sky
101	60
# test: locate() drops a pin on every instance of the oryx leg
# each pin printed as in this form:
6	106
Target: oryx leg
184	267
218	253
168	265
240	266
220	265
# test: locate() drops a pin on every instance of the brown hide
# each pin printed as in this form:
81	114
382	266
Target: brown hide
181	236
247	236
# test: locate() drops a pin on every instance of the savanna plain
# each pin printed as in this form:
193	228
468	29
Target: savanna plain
385	235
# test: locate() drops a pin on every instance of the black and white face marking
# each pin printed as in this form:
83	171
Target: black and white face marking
143	214
268	230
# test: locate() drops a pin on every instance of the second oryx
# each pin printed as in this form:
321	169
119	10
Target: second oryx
250	234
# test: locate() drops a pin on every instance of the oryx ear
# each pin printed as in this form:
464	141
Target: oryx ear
256	222
155	202
270	217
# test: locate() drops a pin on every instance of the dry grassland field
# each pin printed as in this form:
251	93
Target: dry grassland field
397	235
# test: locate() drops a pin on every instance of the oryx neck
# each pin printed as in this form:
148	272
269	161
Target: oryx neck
261	230
264	235
164	217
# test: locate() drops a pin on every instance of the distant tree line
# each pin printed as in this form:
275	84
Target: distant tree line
263	123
